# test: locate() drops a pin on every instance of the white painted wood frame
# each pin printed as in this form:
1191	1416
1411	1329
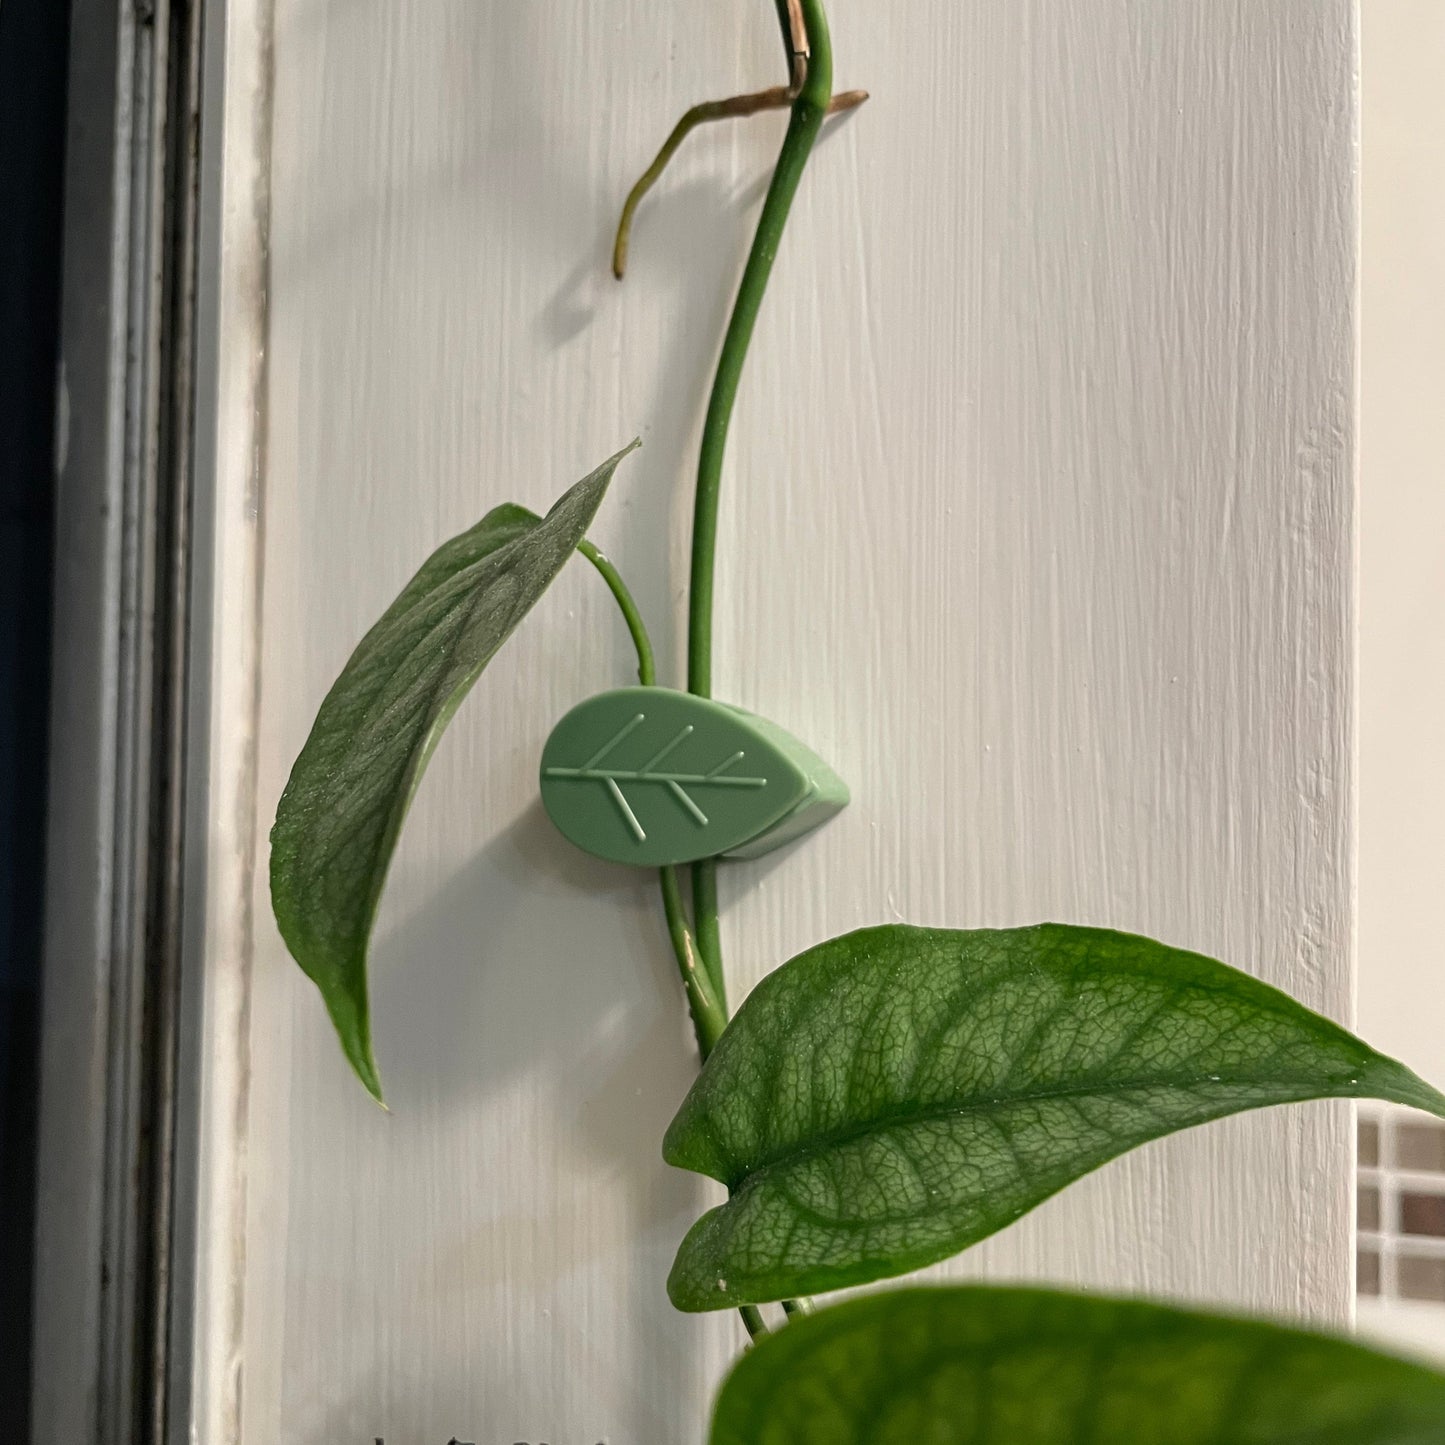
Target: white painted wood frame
1038	524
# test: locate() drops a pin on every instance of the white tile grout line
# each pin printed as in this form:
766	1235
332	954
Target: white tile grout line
1417	1181
1416	1245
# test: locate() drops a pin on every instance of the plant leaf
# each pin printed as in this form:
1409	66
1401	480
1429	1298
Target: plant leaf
338	820
982	1366
888	1098
650	776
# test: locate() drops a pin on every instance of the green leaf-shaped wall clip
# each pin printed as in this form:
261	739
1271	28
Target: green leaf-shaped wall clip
650	776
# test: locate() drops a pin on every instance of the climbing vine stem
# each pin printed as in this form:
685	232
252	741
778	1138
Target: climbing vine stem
706	1003
807	44
808	110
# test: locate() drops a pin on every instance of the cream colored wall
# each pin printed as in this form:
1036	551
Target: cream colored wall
1402	533
1401	967
1038	523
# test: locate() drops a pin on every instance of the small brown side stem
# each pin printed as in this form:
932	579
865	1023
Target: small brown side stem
778	97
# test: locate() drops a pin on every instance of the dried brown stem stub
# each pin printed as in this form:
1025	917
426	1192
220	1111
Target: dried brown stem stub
798	26
797	44
777	97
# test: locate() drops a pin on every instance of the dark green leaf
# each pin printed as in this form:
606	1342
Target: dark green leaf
978	1366
338	820
889	1098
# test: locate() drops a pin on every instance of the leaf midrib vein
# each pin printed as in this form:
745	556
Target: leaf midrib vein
837	1138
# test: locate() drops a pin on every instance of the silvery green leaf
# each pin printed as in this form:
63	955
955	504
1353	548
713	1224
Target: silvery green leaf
889	1098
338	820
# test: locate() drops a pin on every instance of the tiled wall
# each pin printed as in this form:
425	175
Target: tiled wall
1401	1206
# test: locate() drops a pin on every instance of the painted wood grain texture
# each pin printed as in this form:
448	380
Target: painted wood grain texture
1037	524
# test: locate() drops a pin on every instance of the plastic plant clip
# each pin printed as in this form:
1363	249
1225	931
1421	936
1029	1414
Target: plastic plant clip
650	776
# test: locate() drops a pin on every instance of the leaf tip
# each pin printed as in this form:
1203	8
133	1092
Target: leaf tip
1415	1093
353	1027
366	1070
626	452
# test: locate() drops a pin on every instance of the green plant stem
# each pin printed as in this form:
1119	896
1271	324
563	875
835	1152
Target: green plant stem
699	956
808	109
709	1016
706	998
810	106
646	662
706	920
706	1004
807	117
